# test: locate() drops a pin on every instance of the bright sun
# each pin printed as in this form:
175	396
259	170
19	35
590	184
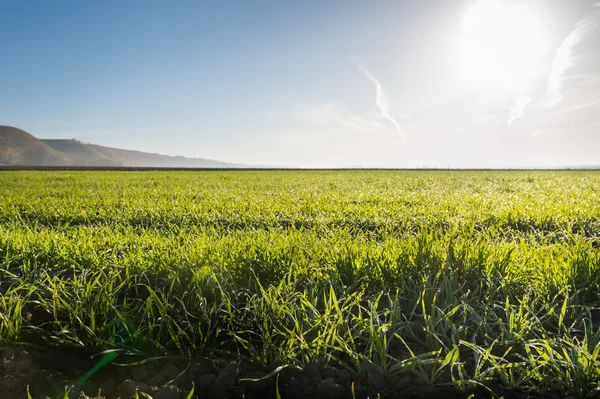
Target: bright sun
501	43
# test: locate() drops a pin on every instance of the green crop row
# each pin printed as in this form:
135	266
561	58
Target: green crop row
475	280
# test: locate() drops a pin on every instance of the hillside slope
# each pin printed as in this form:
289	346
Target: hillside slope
146	159
81	154
17	147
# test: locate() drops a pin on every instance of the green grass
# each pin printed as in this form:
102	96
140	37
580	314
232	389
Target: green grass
479	280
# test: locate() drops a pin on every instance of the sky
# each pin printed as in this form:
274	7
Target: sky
459	83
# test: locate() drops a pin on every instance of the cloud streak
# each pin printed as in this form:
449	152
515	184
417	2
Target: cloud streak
564	59
328	117
381	99
517	110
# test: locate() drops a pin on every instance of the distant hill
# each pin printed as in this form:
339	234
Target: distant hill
19	148
146	159
81	154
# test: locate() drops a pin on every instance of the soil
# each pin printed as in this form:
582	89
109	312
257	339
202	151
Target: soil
48	373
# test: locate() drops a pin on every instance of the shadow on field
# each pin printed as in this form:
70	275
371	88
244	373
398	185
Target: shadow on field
60	373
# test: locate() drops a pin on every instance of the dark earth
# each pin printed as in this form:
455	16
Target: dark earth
49	372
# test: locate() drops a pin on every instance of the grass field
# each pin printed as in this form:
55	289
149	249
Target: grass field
385	282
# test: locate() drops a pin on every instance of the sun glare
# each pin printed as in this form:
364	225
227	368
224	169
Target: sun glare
501	43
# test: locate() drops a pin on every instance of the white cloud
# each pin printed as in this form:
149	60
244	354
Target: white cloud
564	59
328	117
579	107
381	99
517	110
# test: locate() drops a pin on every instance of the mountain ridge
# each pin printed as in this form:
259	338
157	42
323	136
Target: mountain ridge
20	148
17	147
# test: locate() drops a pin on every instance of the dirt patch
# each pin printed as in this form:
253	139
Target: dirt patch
49	373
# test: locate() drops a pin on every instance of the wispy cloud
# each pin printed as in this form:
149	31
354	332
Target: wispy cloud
517	110
329	117
592	105
564	59
381	99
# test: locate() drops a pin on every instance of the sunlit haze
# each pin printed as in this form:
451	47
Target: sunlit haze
469	83
502	43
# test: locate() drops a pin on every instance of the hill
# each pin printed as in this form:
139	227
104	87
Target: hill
147	159
81	154
19	148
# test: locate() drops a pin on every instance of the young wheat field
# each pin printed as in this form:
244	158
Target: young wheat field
300	284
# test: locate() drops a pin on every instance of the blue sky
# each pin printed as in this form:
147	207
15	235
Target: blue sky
464	83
